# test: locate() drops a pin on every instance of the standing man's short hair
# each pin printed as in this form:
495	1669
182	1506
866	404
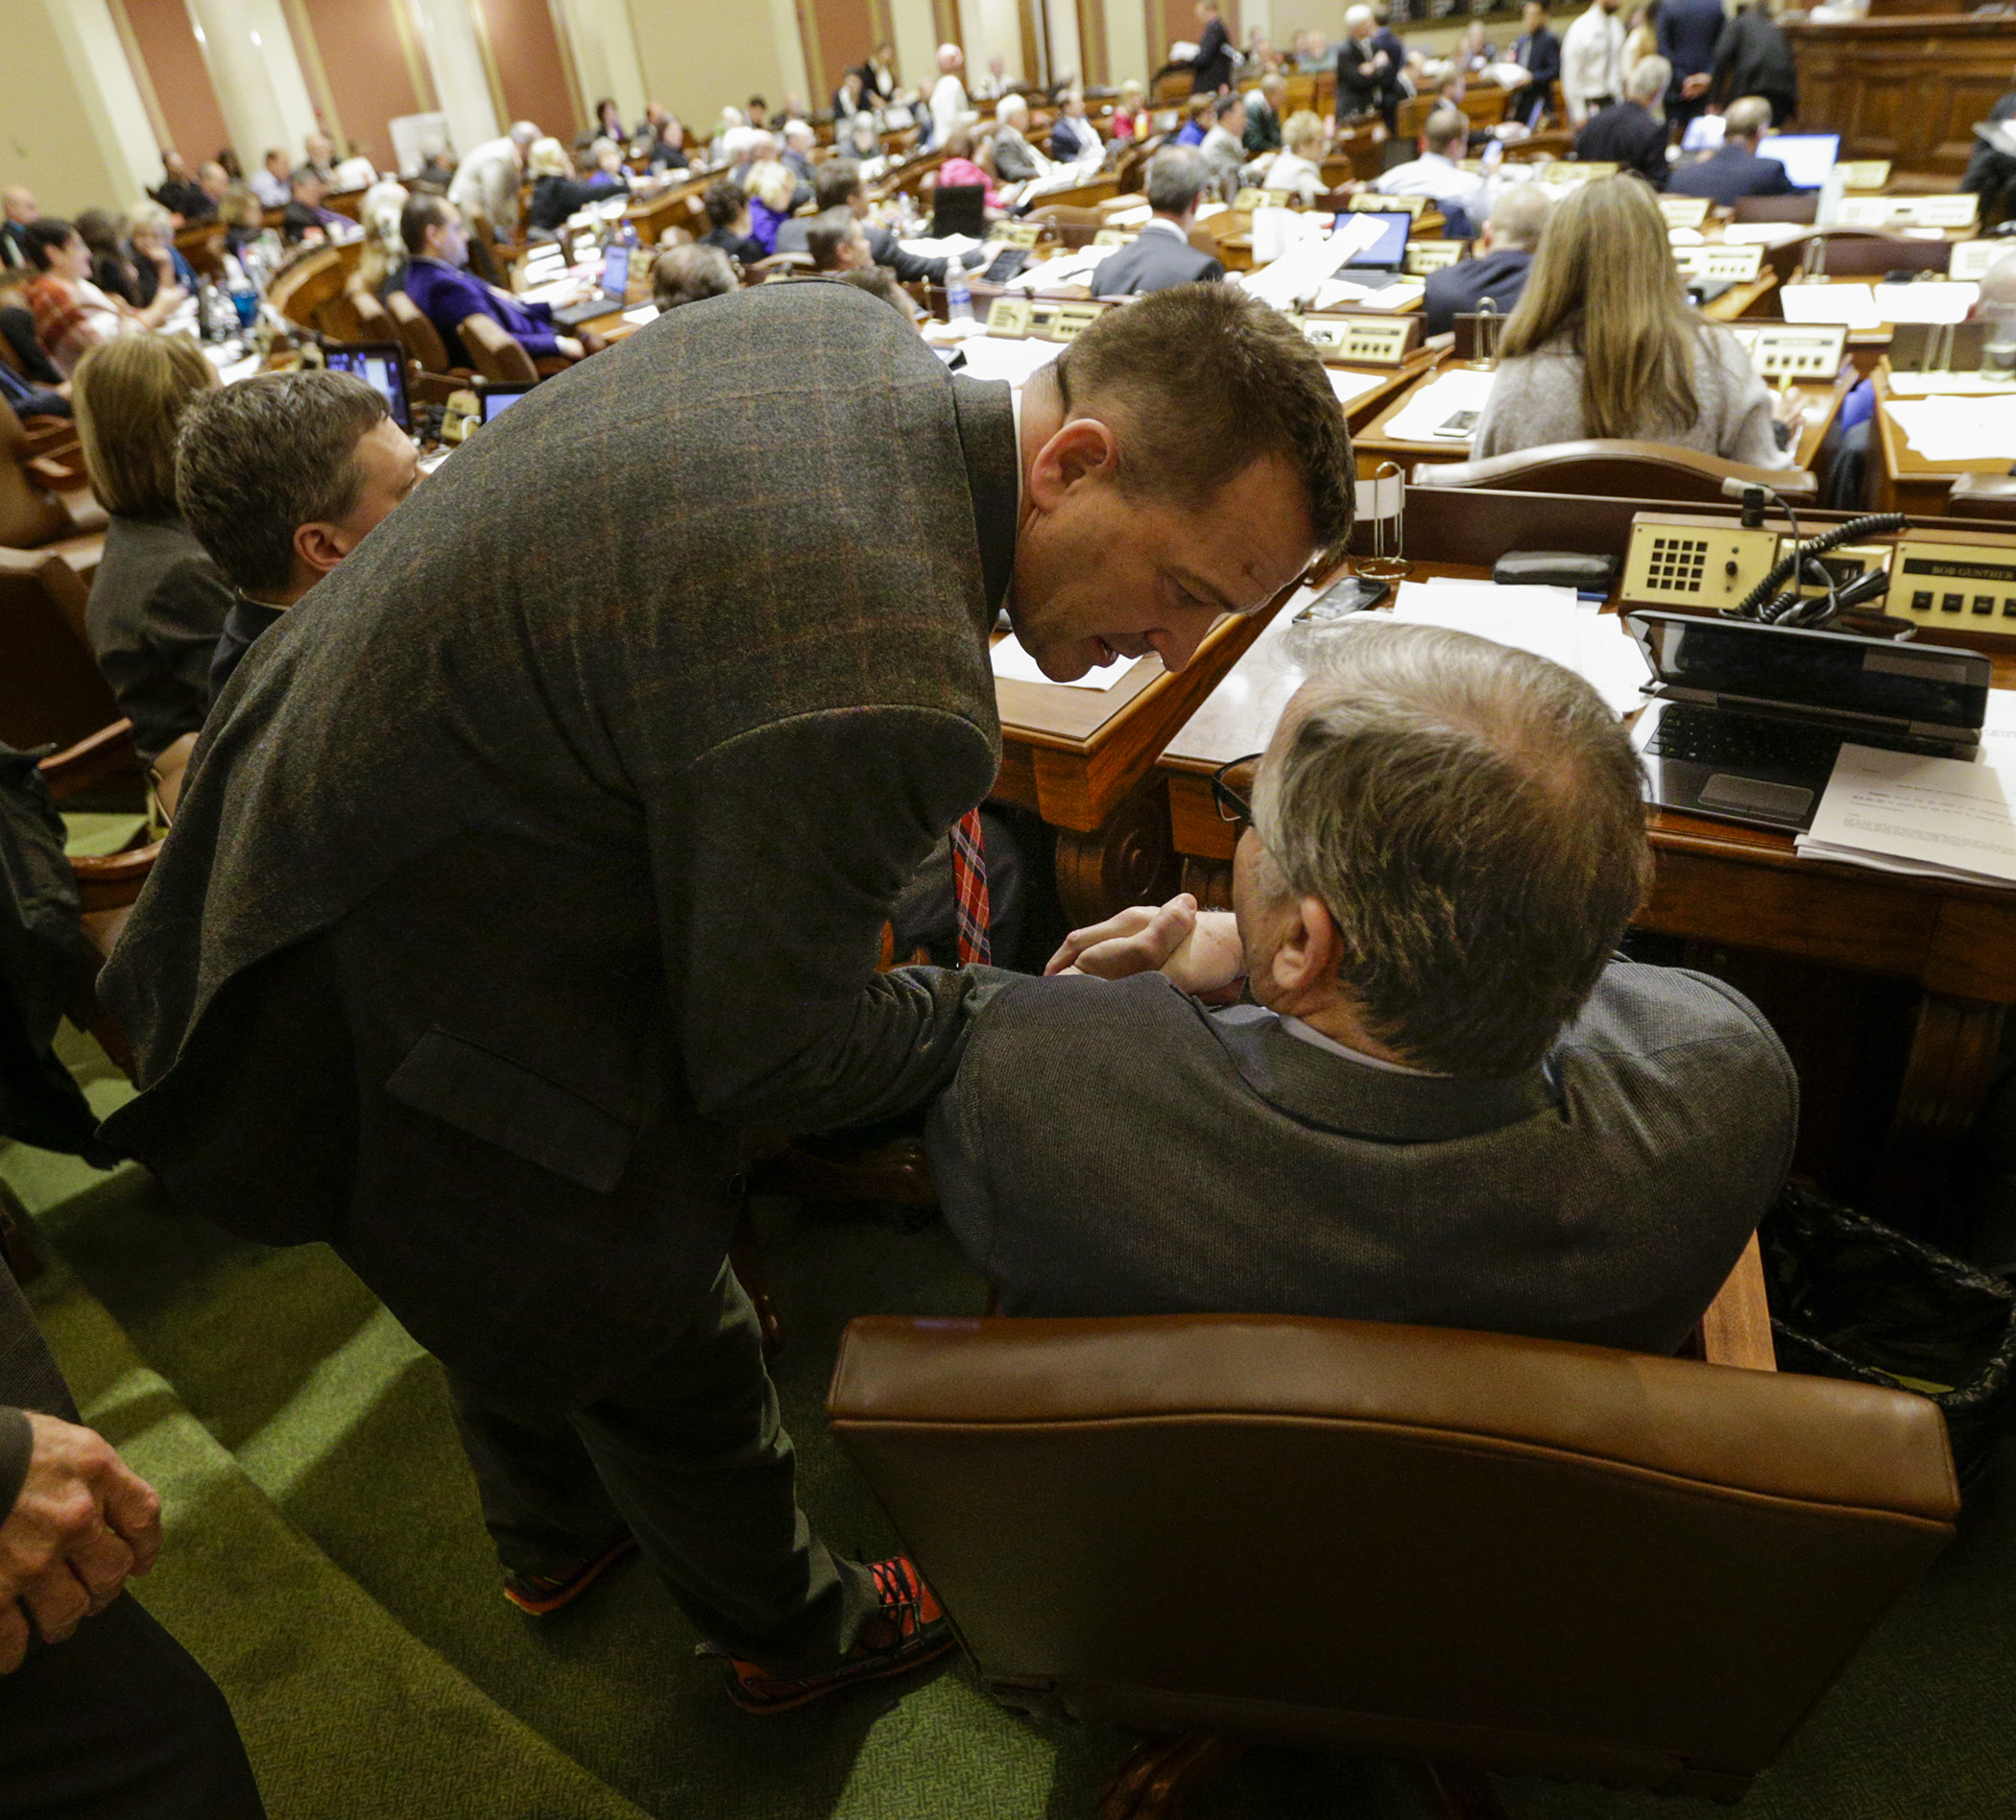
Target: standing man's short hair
1176	178
259	459
1202	381
1472	819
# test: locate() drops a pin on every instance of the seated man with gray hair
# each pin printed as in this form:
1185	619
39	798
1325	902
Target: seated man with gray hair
1014	159
1447	1102
1632	133
1161	255
1733	169
1501	261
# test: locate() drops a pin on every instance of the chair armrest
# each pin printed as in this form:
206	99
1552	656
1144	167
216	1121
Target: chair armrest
1737	1329
113	880
109	753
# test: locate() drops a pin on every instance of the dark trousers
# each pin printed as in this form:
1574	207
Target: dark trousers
692	1459
120	1723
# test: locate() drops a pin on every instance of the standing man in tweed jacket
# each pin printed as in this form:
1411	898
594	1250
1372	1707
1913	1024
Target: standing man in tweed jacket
548	842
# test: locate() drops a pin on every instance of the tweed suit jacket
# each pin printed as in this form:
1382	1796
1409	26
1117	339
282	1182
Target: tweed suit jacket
1116	1149
548	840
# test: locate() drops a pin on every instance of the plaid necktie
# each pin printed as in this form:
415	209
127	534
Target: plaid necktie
969	889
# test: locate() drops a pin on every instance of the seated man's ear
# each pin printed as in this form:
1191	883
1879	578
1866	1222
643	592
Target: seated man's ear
1311	951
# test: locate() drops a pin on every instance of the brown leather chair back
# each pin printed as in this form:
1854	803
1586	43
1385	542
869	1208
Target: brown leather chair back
1796	208
1983	496
1614	470
50	689
1517	1554
1075	228
422	338
373	319
30	513
1860	254
495	351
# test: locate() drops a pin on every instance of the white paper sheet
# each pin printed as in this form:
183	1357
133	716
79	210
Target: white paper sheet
1127	215
1850	304
1335	293
1432	405
1067	268
1550	622
925	248
995	357
1303	269
1349	385
1947	302
642	314
1959	429
1013	664
1936	817
1760	233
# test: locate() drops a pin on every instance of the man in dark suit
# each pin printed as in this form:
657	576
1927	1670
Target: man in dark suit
1689	32
1161	255
1733	169
1369	65
18	211
1504	255
1537	51
1753	56
1448	1105
543	851
1630	132
1212	68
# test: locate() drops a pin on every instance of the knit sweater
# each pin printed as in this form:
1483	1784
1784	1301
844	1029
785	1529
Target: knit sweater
1537	399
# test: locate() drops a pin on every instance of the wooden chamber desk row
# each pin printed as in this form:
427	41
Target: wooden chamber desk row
1889	992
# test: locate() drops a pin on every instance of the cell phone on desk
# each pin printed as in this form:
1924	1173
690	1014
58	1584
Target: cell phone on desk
1458	428
1008	264
1351	595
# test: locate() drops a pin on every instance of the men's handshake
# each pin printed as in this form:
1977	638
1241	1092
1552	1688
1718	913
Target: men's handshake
1200	951
83	1523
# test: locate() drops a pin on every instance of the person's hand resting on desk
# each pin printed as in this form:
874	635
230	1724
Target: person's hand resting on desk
84	1520
1199	951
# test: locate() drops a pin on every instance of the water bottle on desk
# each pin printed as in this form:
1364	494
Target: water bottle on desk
958	294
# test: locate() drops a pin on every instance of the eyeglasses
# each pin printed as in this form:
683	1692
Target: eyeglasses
1231	805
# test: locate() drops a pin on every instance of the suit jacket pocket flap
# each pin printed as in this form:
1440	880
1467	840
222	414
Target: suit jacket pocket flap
505	1103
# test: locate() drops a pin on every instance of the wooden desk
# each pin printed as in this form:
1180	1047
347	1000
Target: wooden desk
1889	992
1902	480
1907	89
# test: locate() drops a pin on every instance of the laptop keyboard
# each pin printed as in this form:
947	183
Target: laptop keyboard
1754	742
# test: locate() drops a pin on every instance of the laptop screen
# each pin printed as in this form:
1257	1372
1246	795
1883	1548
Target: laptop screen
1704	133
381	366
1390	248
1807	157
615	270
1932	685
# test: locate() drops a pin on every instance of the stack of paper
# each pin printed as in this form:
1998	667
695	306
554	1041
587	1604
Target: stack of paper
1350	386
1959	429
1932	818
996	357
1067	268
1301	271
1550	622
1850	304
1942	302
1421	418
1346	293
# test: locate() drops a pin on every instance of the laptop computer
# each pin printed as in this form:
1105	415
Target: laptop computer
497	394
612	288
381	366
1746	720
1389	252
1809	158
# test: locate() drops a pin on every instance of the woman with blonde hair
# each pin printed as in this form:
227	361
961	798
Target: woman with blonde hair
1604	343
1298	165
1130	113
556	192
158	602
772	185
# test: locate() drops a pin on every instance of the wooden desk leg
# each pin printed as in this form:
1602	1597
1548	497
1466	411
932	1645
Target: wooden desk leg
1953	1045
1132	859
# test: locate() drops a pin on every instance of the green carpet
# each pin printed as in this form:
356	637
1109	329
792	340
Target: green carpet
342	1424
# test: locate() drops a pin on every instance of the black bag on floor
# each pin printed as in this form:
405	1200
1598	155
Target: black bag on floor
1852	1297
